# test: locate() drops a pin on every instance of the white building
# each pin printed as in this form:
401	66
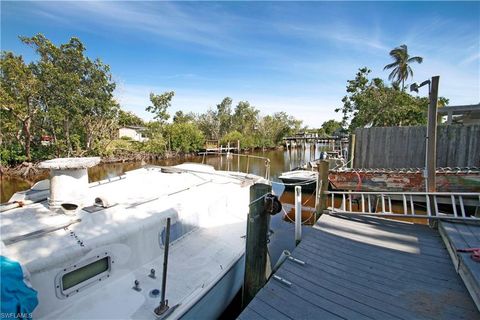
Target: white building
133	132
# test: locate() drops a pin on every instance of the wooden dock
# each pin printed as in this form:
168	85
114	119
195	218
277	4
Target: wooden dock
366	268
463	236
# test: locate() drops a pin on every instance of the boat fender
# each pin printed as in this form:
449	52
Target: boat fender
272	204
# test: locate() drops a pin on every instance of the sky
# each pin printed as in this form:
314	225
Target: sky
294	57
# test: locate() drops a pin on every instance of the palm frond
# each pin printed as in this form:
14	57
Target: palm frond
391	65
415	59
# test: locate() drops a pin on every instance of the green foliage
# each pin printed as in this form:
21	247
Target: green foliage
209	124
330	126
68	97
271	129
370	102
185	137
401	65
160	104
11	155
19	98
181	117
121	146
245	118
127	118
156	142
224	116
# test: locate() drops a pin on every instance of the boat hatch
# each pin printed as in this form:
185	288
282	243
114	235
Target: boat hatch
78	277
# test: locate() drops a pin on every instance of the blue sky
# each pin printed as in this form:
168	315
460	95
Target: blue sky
280	56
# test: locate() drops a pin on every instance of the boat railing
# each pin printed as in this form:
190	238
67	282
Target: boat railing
431	205
229	155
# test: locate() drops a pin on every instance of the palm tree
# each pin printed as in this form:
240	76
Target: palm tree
401	68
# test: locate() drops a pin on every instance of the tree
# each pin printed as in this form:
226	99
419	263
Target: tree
75	92
19	96
370	102
160	104
245	118
127	118
224	115
185	137
401	65
210	126
271	129
181	117
331	126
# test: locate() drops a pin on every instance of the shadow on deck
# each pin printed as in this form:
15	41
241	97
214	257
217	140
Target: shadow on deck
366	268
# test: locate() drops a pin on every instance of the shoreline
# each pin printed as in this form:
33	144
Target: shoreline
29	170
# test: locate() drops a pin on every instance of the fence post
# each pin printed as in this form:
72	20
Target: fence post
256	245
322	186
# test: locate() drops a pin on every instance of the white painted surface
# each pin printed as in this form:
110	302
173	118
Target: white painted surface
213	203
131	133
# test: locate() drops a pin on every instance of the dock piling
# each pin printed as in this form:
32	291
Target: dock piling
322	186
256	246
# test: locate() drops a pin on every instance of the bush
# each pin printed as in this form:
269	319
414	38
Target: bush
185	137
234	136
11	155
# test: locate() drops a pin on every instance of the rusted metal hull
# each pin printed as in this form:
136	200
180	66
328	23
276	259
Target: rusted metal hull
447	180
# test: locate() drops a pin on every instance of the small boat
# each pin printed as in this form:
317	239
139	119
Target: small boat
98	250
307	179
306	175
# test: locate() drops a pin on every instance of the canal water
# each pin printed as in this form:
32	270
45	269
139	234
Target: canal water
280	161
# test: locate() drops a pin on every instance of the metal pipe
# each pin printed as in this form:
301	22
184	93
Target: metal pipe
298	214
285	254
163	307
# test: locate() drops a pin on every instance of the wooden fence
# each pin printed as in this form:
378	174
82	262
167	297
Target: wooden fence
404	147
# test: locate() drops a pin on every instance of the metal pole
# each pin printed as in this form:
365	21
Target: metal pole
163	307
298	214
238	148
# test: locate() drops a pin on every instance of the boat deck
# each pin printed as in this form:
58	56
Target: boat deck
366	268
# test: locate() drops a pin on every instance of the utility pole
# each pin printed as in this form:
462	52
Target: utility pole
431	165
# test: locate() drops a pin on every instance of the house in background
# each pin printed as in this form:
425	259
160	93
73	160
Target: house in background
133	132
468	114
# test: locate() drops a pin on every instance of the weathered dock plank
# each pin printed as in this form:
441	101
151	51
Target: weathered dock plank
366	268
464	236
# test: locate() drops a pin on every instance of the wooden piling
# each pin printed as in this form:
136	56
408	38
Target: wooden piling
322	186
431	164
256	246
351	150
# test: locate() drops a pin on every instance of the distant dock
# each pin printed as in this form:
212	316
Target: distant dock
372	268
